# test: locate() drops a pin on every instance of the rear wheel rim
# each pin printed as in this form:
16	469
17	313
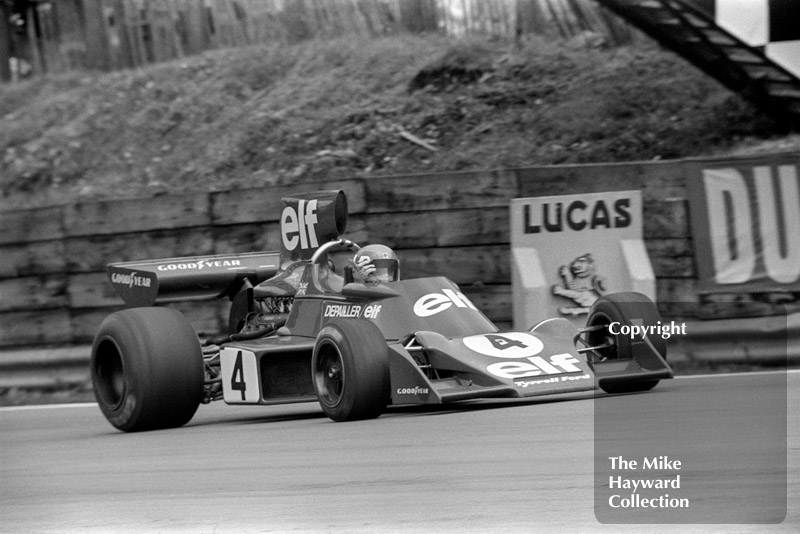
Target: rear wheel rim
110	374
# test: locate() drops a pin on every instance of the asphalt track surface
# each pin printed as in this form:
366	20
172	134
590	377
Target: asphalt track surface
489	466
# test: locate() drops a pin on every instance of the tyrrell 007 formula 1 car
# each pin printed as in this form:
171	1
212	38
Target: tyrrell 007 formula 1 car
301	331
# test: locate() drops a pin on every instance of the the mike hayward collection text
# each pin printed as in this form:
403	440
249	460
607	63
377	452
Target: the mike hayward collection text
630	487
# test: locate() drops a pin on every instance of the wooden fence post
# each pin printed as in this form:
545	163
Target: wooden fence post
35	39
127	56
416	16
197	37
96	34
530	18
5	43
50	24
175	28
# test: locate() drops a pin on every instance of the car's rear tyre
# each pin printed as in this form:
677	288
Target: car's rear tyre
147	369
350	370
625	309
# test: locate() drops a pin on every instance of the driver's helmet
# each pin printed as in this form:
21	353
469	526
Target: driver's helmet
377	263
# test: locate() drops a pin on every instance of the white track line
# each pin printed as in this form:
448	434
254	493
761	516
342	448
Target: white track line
743	373
47	406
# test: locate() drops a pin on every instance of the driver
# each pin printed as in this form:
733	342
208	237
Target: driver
376	263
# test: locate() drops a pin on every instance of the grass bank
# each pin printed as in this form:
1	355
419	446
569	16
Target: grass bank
280	114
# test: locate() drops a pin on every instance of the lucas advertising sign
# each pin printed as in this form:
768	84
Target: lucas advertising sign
569	250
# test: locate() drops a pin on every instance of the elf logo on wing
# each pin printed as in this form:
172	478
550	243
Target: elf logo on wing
434	303
538	365
298	227
524	348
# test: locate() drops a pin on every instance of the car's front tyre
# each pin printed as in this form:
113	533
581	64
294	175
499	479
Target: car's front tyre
350	370
626	309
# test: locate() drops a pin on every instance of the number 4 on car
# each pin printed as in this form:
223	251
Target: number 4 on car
356	340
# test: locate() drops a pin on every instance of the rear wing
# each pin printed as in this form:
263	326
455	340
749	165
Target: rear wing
307	221
144	283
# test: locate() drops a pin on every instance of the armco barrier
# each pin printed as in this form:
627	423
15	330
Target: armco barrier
45	367
53	289
760	341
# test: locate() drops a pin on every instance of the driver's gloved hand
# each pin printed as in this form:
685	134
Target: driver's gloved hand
364	266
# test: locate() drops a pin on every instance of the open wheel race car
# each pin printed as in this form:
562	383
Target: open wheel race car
299	331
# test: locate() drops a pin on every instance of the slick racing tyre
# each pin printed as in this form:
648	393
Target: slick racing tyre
147	369
350	370
625	309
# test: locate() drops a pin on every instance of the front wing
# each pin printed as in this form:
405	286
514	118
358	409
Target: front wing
429	368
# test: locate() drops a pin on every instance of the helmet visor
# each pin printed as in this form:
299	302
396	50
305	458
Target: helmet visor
386	270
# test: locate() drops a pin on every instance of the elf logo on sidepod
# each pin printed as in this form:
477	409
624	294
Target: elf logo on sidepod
438	302
297	227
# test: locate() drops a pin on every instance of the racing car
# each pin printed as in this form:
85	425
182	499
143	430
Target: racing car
301	328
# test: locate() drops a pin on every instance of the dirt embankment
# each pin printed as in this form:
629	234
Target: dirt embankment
268	114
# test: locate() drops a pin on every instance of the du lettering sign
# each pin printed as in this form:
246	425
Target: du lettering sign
746	223
568	250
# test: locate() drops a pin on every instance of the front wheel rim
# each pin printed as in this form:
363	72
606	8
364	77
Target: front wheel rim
329	375
609	353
